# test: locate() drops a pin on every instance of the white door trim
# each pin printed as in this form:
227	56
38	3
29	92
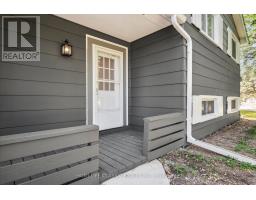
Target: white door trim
126	77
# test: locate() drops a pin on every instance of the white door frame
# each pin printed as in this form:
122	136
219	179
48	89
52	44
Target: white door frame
125	98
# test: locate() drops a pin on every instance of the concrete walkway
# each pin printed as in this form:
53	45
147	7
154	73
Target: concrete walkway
151	173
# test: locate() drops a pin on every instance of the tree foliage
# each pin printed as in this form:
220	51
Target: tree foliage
248	60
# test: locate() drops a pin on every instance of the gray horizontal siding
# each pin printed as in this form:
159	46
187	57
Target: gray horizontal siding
164	102
203	129
33	103
159	68
38	127
39	117
151	111
165	90
27	87
51	93
212	68
26	72
56	62
158	80
214	73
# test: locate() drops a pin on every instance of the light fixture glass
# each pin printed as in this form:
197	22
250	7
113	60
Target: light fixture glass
66	49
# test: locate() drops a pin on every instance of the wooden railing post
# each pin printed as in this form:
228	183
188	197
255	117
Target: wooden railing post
145	138
162	134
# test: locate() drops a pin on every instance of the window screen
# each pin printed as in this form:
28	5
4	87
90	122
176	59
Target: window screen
210	25
233	104
233	49
207	107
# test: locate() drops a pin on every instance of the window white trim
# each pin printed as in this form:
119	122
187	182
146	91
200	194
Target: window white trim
197	20
205	32
229	104
232	36
218	28
197	108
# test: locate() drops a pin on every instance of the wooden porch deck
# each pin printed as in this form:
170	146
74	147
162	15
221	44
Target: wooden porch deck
119	152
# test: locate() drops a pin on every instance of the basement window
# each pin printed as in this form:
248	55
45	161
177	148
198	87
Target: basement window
206	107
233	104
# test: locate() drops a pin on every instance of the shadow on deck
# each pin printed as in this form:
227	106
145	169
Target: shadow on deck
119	152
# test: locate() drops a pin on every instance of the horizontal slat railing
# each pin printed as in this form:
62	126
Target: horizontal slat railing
59	156
162	134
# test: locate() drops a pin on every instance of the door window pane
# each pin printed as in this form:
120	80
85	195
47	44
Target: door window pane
100	61
112	86
106	86
106	74
112	76
100	75
106	64
111	63
100	86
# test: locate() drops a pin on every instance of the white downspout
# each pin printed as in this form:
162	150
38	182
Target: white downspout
190	138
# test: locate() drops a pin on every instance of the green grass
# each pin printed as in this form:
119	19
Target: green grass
197	157
243	143
243	146
248	114
180	170
232	163
183	170
252	132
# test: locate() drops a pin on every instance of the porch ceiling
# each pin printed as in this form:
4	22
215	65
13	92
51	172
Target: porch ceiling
123	26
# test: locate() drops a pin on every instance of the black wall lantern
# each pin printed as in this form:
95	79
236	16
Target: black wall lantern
66	49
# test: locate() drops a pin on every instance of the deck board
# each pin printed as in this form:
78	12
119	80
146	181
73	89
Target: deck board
126	141
126	146
119	152
132	152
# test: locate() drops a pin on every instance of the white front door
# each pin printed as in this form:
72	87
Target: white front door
108	88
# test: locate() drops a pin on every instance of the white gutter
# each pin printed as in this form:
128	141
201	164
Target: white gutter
190	138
